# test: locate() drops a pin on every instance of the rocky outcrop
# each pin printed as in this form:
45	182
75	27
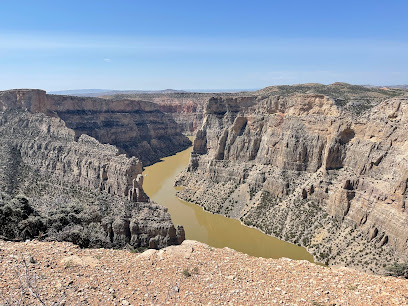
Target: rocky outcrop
137	128
57	187
33	100
306	169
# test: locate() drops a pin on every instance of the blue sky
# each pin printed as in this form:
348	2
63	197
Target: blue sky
56	45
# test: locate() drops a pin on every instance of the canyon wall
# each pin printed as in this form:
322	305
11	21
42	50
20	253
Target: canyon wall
59	187
137	128
186	108
325	171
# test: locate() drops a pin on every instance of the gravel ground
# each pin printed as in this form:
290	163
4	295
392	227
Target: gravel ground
55	273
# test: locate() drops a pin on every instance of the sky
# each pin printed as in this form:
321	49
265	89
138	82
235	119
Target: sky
151	45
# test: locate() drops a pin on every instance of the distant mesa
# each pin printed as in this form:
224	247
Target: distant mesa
109	92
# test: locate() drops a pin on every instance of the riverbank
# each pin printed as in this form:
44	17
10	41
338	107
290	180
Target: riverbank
193	273
213	229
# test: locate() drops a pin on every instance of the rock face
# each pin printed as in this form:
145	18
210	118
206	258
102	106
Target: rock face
186	108
57	187
48	146
137	128
309	169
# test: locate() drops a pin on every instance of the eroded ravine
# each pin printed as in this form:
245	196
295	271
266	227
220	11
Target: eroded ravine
214	230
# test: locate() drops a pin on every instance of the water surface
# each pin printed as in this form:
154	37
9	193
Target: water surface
215	230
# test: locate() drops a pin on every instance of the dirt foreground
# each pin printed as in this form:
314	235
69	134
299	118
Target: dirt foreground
54	273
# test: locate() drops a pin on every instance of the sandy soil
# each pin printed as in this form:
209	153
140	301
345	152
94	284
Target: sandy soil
52	273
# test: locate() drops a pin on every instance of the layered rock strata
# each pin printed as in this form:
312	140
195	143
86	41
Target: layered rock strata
137	128
186	108
306	169
57	187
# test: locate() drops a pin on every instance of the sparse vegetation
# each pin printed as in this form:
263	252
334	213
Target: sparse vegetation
398	270
186	273
69	264
352	286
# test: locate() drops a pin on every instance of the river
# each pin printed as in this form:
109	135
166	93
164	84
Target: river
215	230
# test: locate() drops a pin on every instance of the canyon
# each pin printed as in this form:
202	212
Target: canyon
213	229
186	108
323	167
58	185
320	166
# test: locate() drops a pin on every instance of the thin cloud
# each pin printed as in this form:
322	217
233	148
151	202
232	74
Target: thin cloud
189	45
107	60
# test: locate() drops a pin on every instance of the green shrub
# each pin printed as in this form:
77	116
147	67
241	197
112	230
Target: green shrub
186	273
398	270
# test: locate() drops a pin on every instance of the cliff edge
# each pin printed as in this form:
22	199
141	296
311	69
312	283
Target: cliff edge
192	273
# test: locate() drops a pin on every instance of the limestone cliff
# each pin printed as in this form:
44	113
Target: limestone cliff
137	128
186	108
309	169
57	187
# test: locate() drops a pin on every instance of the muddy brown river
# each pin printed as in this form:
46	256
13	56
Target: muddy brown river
215	230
